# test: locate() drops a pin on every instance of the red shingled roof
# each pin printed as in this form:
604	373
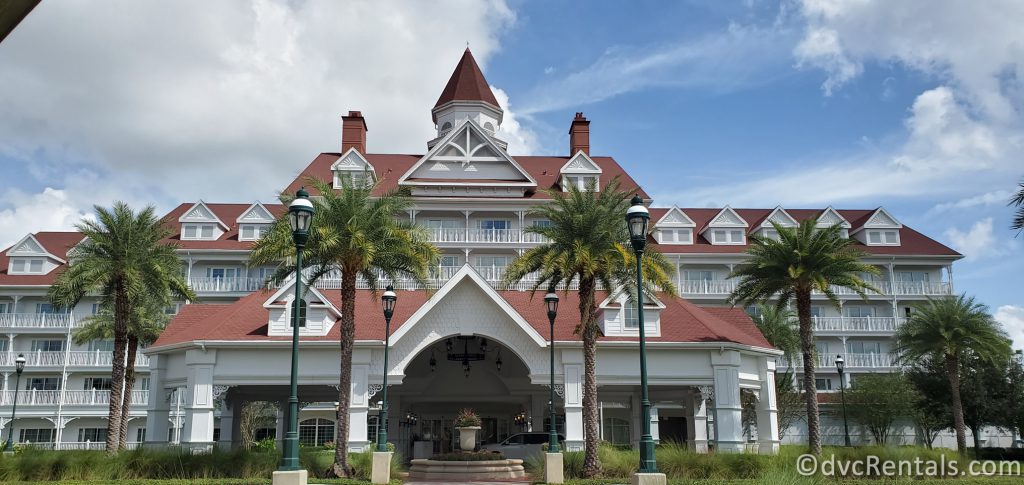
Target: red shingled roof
390	167
56	243
467	84
227	213
247	320
911	241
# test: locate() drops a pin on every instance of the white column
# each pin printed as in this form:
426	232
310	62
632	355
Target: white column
358	410
728	409
573	398
227	423
767	411
199	397
699	430
158	411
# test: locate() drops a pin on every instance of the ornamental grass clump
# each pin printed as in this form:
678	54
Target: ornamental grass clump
467	418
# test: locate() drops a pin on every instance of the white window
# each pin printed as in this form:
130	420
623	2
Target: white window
53	345
821	347
302	315
449	261
222	272
94	435
857	311
43	384
859	347
353	178
629	315
823	384
104	345
727	236
582	182
36	435
98	383
690	275
252	232
675	236
889	237
770	234
197	231
912	276
26	266
5	308
493	261
816	311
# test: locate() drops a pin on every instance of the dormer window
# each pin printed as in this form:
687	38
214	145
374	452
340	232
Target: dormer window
630	319
770	234
302	315
252	232
198	231
883	237
352	170
674	236
26	266
581	182
727	236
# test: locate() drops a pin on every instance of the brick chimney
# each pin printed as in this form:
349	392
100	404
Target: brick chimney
353	132
579	135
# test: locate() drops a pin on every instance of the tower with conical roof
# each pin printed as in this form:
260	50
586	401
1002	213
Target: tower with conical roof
467	96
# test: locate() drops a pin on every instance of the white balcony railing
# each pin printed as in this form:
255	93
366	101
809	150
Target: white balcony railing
853	361
81	358
920	288
706	287
439	276
899	288
92	397
857	324
35	320
238	284
76	445
493	235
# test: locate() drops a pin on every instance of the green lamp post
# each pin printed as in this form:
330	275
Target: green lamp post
300	218
19	367
840	367
551	300
388	300
637	218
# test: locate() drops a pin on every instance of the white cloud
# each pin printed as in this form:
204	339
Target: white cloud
520	139
976	47
738	56
996	197
978	242
229	105
1012	319
48	210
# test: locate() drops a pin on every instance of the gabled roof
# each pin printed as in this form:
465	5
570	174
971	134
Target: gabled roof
831	217
256	213
727	217
461	140
912	243
200	212
467	84
780	217
287	293
30	246
55	244
225	212
352	160
879	219
674	217
580	163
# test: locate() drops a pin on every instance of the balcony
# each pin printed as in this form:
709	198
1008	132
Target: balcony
87	358
857	324
500	236
93	397
723	287
493	275
79	445
853	362
36	320
240	284
706	287
920	288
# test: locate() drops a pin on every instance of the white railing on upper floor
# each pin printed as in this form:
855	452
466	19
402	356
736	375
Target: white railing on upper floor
857	324
92	397
239	284
36	320
899	288
924	288
439	276
494	235
853	361
76	445
75	358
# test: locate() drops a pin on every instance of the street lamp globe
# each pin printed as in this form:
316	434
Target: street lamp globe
300	216
637	218
840	364
388	300
19	364
551	299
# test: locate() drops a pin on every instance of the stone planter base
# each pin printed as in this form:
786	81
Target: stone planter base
456	471
648	479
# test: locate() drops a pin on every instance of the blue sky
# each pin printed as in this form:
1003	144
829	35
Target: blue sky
914	106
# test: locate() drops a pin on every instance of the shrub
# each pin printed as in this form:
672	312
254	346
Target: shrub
466	418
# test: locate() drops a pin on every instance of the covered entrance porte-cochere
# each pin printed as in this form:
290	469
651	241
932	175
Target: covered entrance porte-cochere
465	371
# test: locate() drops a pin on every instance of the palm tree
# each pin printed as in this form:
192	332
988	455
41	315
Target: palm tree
355	234
803	259
589	243
949	330
1018	217
147	322
122	257
776	324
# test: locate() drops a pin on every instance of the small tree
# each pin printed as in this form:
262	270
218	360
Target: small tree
789	402
254	416
876	401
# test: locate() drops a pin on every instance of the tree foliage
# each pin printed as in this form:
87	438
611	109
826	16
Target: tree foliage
877	401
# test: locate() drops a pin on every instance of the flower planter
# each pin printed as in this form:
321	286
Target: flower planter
467	437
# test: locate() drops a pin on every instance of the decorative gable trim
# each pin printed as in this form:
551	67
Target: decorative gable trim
580	163
30	246
780	217
200	212
468	273
830	217
256	213
287	291
727	217
675	217
880	219
616	298
468	156
352	161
